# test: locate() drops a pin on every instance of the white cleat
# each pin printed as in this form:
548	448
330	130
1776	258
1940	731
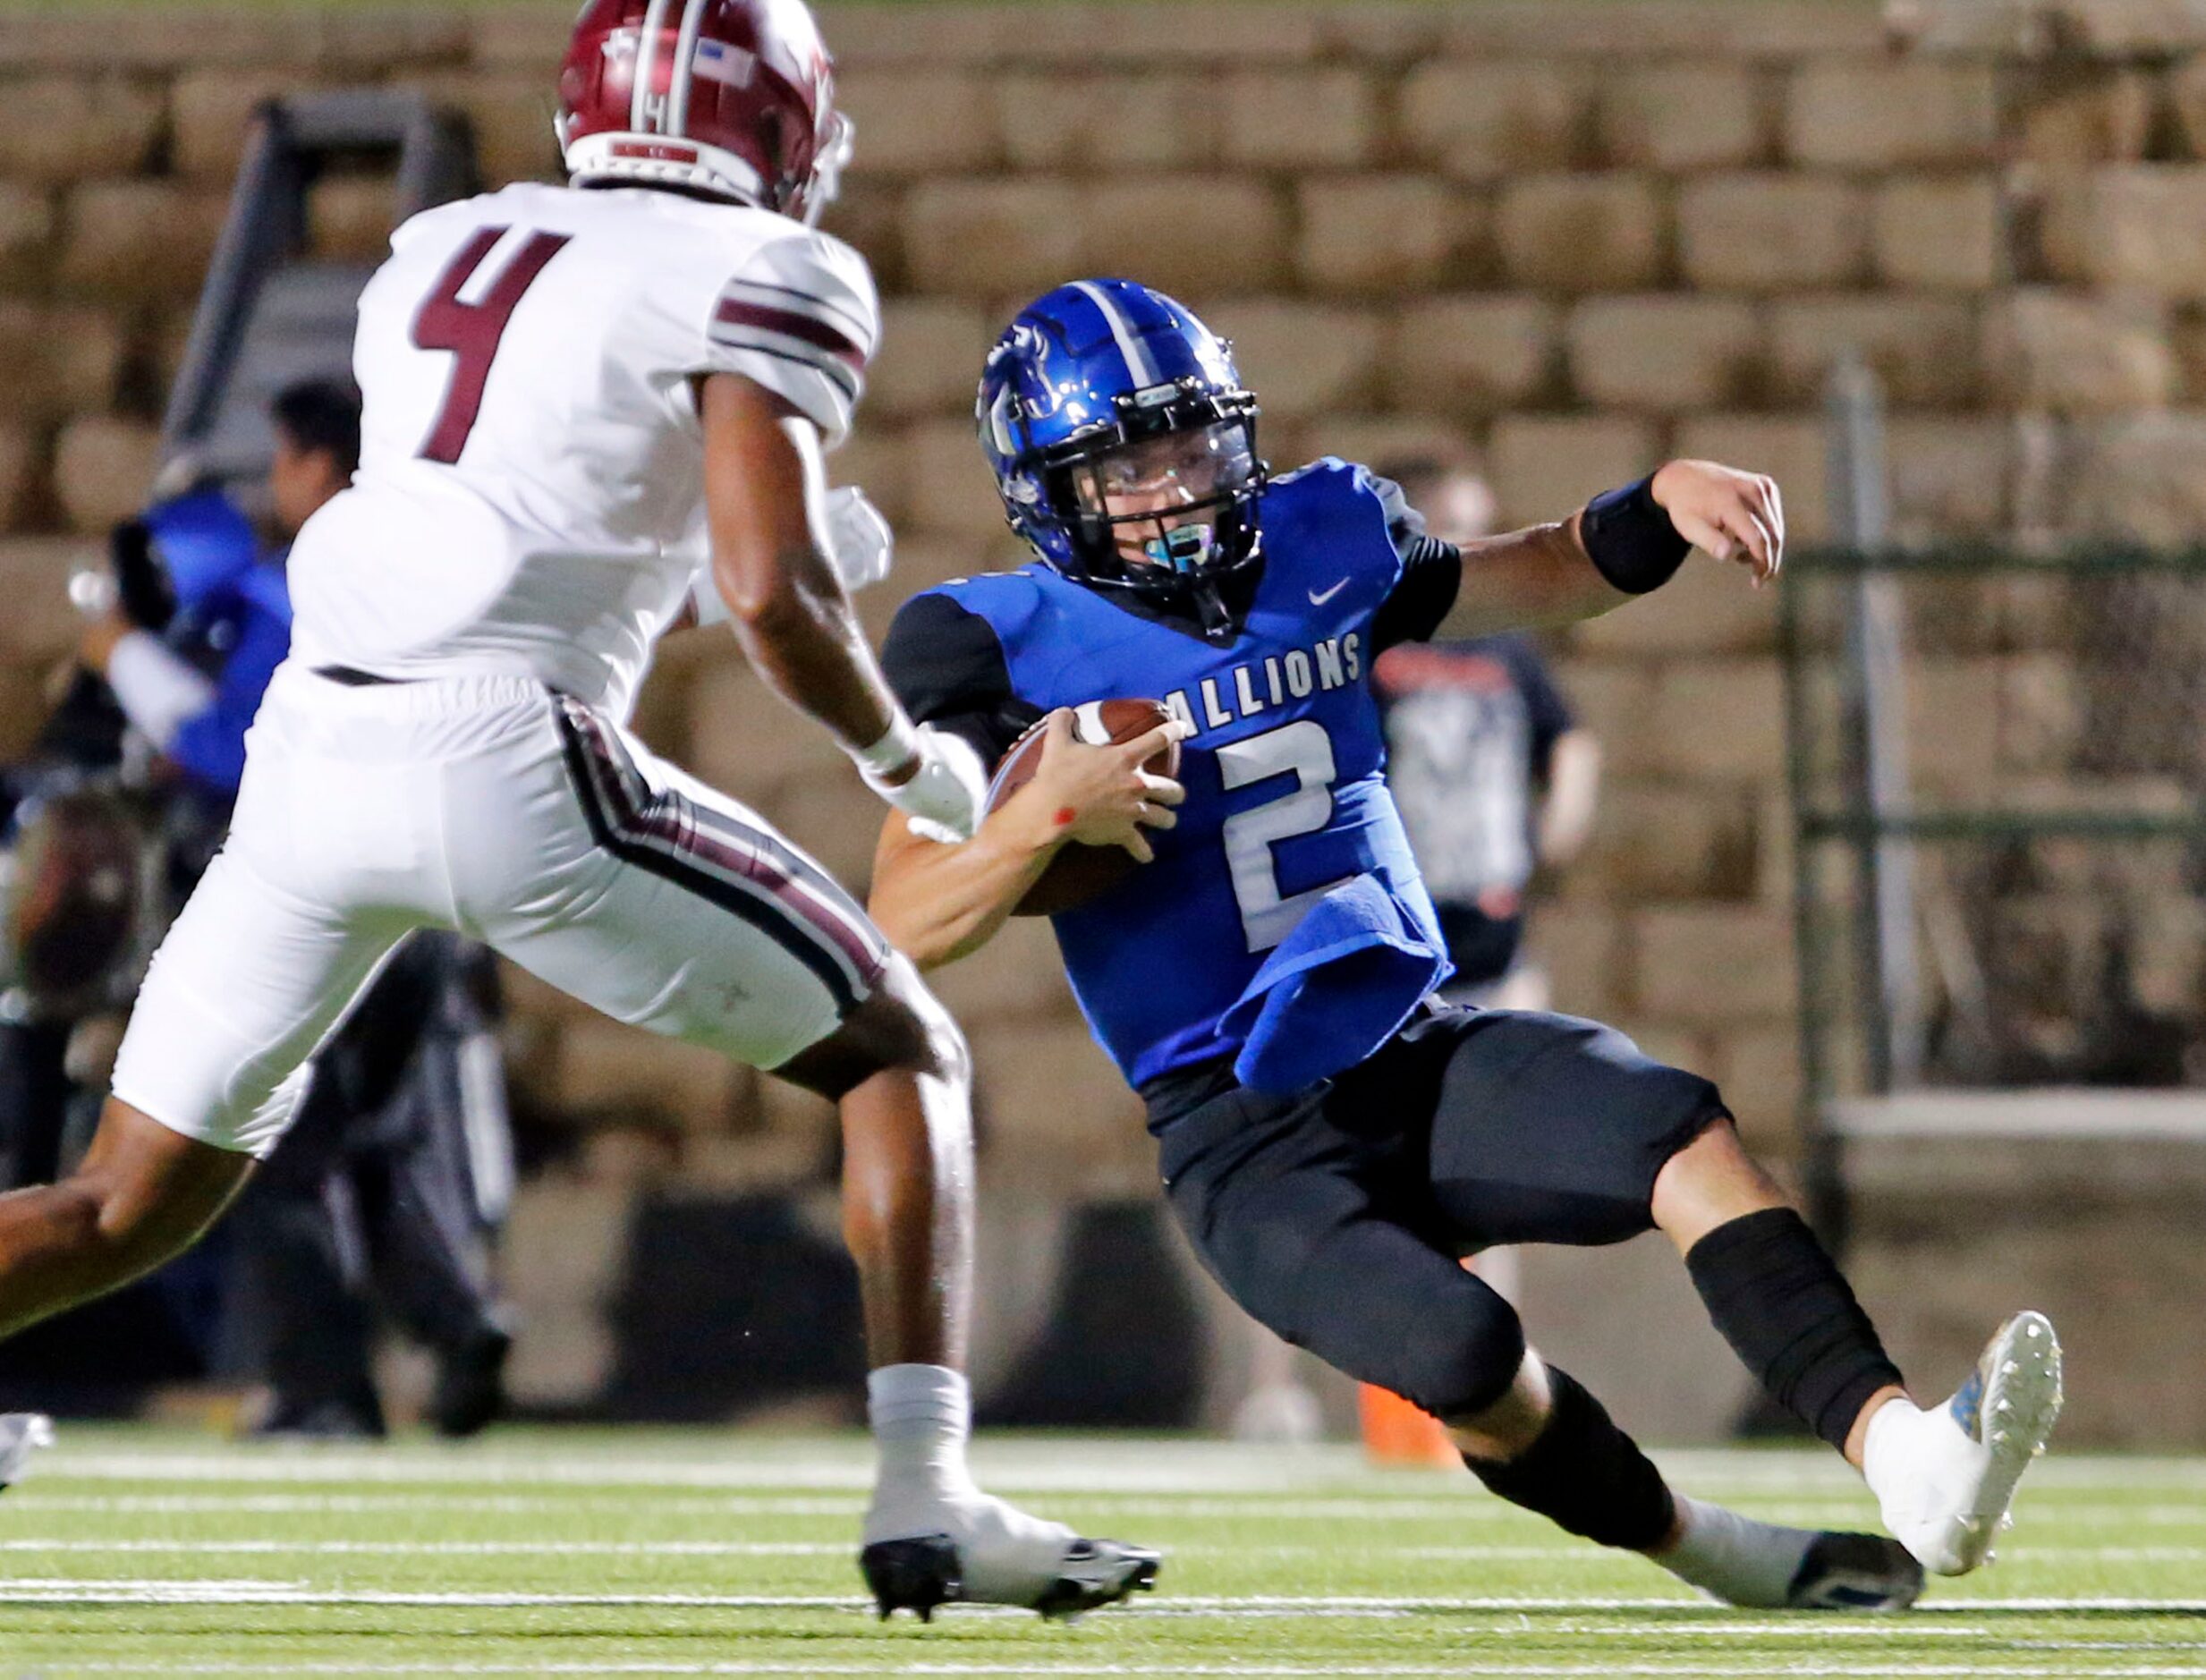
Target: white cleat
21	1434
978	1549
1945	1478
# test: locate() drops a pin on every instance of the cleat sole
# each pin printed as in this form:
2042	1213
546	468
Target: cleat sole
2025	1392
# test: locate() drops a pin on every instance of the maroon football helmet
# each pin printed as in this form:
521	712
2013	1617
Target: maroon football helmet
733	98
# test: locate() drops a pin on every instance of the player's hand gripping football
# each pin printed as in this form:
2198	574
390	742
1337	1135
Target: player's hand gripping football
944	793
1101	796
1735	516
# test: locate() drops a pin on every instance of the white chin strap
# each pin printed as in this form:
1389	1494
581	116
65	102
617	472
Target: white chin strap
663	160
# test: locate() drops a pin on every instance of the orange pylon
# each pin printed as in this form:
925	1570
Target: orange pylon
1397	1432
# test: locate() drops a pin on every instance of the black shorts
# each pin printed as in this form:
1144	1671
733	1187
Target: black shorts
1337	1216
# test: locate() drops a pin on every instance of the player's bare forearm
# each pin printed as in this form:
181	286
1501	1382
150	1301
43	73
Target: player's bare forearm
938	903
802	638
765	495
1549	575
1523	578
1574	789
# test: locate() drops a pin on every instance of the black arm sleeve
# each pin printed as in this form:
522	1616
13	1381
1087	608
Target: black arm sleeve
947	667
1431	574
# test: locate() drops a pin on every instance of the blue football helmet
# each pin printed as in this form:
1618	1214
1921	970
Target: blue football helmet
1123	445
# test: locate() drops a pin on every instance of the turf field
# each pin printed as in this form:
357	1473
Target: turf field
135	1552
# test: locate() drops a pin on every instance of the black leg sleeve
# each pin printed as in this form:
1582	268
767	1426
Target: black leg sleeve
1779	1299
1585	1475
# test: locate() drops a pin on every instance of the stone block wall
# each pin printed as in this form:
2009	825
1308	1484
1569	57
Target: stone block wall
1578	235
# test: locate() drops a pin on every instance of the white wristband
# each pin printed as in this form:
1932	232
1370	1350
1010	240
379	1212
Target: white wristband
894	750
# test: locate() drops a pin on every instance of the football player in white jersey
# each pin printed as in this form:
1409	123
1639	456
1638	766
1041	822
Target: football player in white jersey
579	400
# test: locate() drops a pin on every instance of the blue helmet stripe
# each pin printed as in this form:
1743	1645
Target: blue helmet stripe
1141	366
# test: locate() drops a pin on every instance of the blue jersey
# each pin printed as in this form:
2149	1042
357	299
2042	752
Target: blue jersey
1285	794
246	621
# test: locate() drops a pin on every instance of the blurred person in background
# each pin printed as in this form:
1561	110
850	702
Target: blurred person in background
392	1184
1494	777
124	798
142	747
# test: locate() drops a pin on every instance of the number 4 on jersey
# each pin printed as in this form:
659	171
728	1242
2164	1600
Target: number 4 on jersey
472	331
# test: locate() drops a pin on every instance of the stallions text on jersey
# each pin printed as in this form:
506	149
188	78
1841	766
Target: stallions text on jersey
530	500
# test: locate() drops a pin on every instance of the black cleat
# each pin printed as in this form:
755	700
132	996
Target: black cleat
1855	1572
912	1575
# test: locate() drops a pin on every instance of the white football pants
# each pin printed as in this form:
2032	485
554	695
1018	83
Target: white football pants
519	818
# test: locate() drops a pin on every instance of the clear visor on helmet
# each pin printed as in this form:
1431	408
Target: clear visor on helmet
1161	495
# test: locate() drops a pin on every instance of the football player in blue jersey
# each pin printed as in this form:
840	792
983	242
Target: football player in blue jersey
1332	1138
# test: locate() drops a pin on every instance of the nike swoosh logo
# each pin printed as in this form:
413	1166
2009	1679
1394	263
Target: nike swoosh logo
1316	599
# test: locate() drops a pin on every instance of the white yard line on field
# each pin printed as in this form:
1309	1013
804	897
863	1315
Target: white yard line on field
32	1589
1029	1667
490	1504
1562	1553
437	1548
1157	1469
1468	1507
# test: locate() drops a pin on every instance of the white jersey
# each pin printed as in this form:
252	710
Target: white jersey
530	494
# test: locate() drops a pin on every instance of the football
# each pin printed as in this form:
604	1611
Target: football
1081	872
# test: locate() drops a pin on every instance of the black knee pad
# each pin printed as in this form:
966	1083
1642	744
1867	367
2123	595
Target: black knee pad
1466	1364
1584	1474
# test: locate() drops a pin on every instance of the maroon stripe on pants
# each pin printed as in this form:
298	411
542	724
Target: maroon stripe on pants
748	853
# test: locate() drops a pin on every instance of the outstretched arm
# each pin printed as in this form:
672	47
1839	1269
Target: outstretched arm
1620	545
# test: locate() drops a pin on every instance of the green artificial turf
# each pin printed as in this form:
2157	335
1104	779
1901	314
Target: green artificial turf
545	1552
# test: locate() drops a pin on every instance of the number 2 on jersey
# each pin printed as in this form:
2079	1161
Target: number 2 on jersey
472	331
1304	749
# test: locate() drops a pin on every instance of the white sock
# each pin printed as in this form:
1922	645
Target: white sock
1739	1560
921	1417
1888	1458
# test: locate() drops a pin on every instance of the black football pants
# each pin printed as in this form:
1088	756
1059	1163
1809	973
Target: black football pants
1338	1215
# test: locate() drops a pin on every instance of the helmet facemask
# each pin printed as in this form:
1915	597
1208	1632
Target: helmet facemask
1162	505
839	139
